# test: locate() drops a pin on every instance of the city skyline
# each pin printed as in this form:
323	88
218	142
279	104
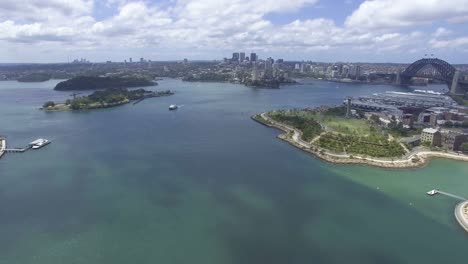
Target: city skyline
327	31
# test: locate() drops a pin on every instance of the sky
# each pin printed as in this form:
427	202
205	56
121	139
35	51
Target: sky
317	30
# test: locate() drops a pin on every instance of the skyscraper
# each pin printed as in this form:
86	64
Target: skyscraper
242	57
253	57
235	56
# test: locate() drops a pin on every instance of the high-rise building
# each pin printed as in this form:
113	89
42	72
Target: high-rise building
253	57
242	57
130	60
235	56
254	73
355	71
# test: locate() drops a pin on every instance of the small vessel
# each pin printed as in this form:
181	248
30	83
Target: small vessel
39	143
433	192
173	107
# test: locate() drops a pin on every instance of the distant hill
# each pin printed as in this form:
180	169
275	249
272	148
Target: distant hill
35	77
94	83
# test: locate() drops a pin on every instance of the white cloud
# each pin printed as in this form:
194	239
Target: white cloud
403	13
461	42
442	32
203	26
43	10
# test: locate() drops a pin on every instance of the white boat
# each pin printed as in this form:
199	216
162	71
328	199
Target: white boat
433	192
39	143
173	107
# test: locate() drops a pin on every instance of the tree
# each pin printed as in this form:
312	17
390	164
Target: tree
449	124
360	113
464	147
375	119
48	104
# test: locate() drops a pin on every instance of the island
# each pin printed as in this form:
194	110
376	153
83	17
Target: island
35	77
104	99
329	133
95	82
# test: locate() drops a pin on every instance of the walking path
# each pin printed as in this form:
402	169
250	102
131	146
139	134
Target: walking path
412	159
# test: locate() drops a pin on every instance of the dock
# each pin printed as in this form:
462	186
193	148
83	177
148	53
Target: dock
33	145
2	146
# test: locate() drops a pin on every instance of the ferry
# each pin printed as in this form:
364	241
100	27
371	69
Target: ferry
39	143
433	192
173	107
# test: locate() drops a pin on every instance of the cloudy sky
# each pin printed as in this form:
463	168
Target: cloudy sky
319	30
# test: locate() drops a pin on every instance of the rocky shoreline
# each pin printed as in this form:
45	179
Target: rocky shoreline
413	160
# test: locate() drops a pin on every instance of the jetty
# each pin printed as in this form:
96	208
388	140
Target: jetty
2	146
36	144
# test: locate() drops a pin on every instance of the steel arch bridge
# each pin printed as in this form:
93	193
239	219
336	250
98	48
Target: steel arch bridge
443	71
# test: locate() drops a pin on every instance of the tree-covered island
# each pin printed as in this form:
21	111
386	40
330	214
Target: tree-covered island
104	99
95	82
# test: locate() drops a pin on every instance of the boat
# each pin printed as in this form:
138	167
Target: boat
433	192
39	143
173	107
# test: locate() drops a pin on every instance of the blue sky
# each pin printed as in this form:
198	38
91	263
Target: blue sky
318	30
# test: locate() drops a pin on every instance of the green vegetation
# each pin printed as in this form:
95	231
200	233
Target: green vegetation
48	104
396	129
456	125
207	77
300	119
35	77
461	100
374	146
464	147
105	98
94	83
344	135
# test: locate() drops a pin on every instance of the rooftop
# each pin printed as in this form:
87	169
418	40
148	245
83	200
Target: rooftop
430	130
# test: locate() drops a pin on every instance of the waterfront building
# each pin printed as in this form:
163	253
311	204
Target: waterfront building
355	71
452	140
408	120
432	136
254	73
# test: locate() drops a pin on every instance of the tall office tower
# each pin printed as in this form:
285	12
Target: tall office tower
235	56
242	57
253	57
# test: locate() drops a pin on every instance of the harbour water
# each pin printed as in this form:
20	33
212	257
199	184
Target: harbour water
206	184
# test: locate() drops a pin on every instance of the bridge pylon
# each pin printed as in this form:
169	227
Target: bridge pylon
454	89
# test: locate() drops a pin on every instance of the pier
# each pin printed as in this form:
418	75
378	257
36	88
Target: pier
38	143
2	146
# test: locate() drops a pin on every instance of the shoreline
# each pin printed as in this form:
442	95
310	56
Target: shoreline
414	159
461	214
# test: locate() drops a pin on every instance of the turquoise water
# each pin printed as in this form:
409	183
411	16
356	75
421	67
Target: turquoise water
205	184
